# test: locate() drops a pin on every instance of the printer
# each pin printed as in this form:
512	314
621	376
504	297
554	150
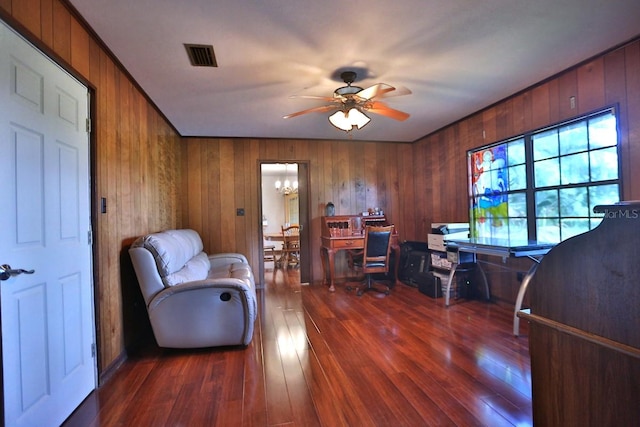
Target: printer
442	232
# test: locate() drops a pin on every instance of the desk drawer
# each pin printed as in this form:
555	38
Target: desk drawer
347	243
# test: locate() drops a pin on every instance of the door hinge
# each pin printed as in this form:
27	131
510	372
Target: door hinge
89	237
93	350
88	125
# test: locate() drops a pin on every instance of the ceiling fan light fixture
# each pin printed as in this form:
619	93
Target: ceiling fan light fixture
351	102
346	90
346	121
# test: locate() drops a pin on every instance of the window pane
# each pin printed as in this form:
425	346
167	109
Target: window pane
573	138
518	229
604	164
516	152
547	204
518	205
489	172
490	210
602	131
517	177
547	172
548	230
574	169
573	202
499	231
603	195
545	145
573	226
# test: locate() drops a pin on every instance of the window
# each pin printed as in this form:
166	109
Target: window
544	185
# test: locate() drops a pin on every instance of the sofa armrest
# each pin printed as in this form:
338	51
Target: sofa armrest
222	283
204	313
218	260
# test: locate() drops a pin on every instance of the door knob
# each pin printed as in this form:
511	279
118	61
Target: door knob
6	271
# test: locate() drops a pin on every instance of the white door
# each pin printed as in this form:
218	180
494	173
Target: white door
47	317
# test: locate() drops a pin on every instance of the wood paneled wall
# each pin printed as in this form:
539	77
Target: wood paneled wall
440	158
136	158
222	175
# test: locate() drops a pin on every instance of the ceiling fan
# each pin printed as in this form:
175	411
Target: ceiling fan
351	102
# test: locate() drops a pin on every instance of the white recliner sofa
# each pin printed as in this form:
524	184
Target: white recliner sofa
194	299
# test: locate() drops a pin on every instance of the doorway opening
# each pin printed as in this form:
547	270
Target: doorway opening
284	203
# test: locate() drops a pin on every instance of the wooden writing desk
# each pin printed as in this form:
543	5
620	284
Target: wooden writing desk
346	232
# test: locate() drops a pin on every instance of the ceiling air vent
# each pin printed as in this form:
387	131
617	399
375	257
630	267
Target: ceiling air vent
201	55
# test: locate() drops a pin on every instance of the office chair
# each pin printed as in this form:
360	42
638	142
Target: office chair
375	257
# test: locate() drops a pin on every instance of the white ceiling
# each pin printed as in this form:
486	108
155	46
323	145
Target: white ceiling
456	56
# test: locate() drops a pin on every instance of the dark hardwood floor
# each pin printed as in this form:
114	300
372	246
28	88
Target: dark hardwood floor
323	359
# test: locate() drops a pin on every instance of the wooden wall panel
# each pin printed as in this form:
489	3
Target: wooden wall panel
79	48
540	114
135	154
6	6
408	216
591	87
61	31
46	21
28	13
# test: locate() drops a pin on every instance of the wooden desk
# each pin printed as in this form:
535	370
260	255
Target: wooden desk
348	237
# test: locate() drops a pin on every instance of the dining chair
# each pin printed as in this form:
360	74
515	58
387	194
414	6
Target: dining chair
290	246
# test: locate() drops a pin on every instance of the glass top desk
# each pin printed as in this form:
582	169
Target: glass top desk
504	248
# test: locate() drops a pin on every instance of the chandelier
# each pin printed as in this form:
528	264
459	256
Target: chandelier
287	187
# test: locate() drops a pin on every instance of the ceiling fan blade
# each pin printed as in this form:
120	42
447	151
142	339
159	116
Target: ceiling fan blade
398	92
383	109
374	91
320	109
320	98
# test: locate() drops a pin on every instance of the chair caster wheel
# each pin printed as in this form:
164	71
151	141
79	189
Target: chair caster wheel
359	293
386	292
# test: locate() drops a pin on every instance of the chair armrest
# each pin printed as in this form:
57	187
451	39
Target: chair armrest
218	260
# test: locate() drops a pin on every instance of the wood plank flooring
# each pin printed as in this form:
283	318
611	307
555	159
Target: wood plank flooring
322	359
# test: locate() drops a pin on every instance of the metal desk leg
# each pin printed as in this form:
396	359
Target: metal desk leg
521	292
452	273
485	282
